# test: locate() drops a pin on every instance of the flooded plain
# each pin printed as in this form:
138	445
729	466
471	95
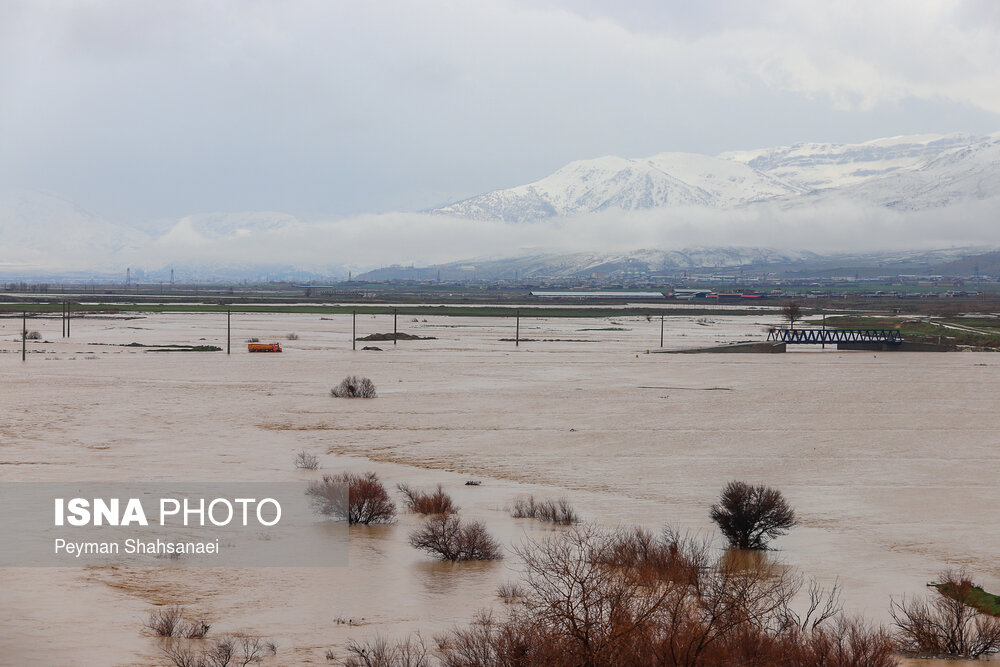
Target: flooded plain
891	460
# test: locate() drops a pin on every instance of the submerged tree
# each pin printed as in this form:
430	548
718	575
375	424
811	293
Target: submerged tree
751	516
791	312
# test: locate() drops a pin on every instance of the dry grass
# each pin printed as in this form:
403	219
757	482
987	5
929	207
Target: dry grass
422	502
555	511
292	336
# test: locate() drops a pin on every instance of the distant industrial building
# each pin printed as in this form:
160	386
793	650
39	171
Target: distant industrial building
598	295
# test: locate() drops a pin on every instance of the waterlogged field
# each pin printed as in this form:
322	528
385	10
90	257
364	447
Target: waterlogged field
891	460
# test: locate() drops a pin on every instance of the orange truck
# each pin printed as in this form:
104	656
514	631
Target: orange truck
263	347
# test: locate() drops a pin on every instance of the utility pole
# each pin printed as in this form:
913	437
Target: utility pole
354	330
395	333
69	307
661	329
62	317
517	330
229	329
24	335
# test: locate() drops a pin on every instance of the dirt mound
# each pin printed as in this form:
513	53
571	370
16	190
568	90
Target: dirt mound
391	336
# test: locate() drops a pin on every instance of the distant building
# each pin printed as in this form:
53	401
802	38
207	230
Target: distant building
598	295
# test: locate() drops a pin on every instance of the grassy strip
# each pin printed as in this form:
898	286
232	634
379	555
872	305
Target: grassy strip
916	329
977	598
451	311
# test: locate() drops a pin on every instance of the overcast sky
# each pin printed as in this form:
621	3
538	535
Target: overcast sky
144	110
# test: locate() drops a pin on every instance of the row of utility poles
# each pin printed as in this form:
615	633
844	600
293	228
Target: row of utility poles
67	313
65	316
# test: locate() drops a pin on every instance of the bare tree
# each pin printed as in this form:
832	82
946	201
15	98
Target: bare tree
449	538
947	624
791	312
751	516
359	498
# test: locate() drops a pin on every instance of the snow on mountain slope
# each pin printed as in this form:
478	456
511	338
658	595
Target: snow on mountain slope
817	166
667	179
584	264
967	173
919	171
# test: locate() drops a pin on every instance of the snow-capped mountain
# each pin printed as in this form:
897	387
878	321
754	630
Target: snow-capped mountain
902	193
915	172
667	179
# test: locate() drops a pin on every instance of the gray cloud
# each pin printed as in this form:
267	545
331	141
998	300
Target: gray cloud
146	110
370	241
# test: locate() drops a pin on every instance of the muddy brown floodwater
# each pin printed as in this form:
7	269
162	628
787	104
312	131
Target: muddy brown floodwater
891	460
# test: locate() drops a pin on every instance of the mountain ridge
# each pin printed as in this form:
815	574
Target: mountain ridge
882	172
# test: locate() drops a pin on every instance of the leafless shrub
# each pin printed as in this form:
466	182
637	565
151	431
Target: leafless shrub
353	386
583	608
751	516
197	630
359	498
183	655
253	340
292	336
33	335
306	461
650	557
449	538
169	622
510	591
380	652
947	625
421	502
228	651
166	621
556	511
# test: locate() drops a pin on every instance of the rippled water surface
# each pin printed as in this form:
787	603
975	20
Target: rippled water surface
892	460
